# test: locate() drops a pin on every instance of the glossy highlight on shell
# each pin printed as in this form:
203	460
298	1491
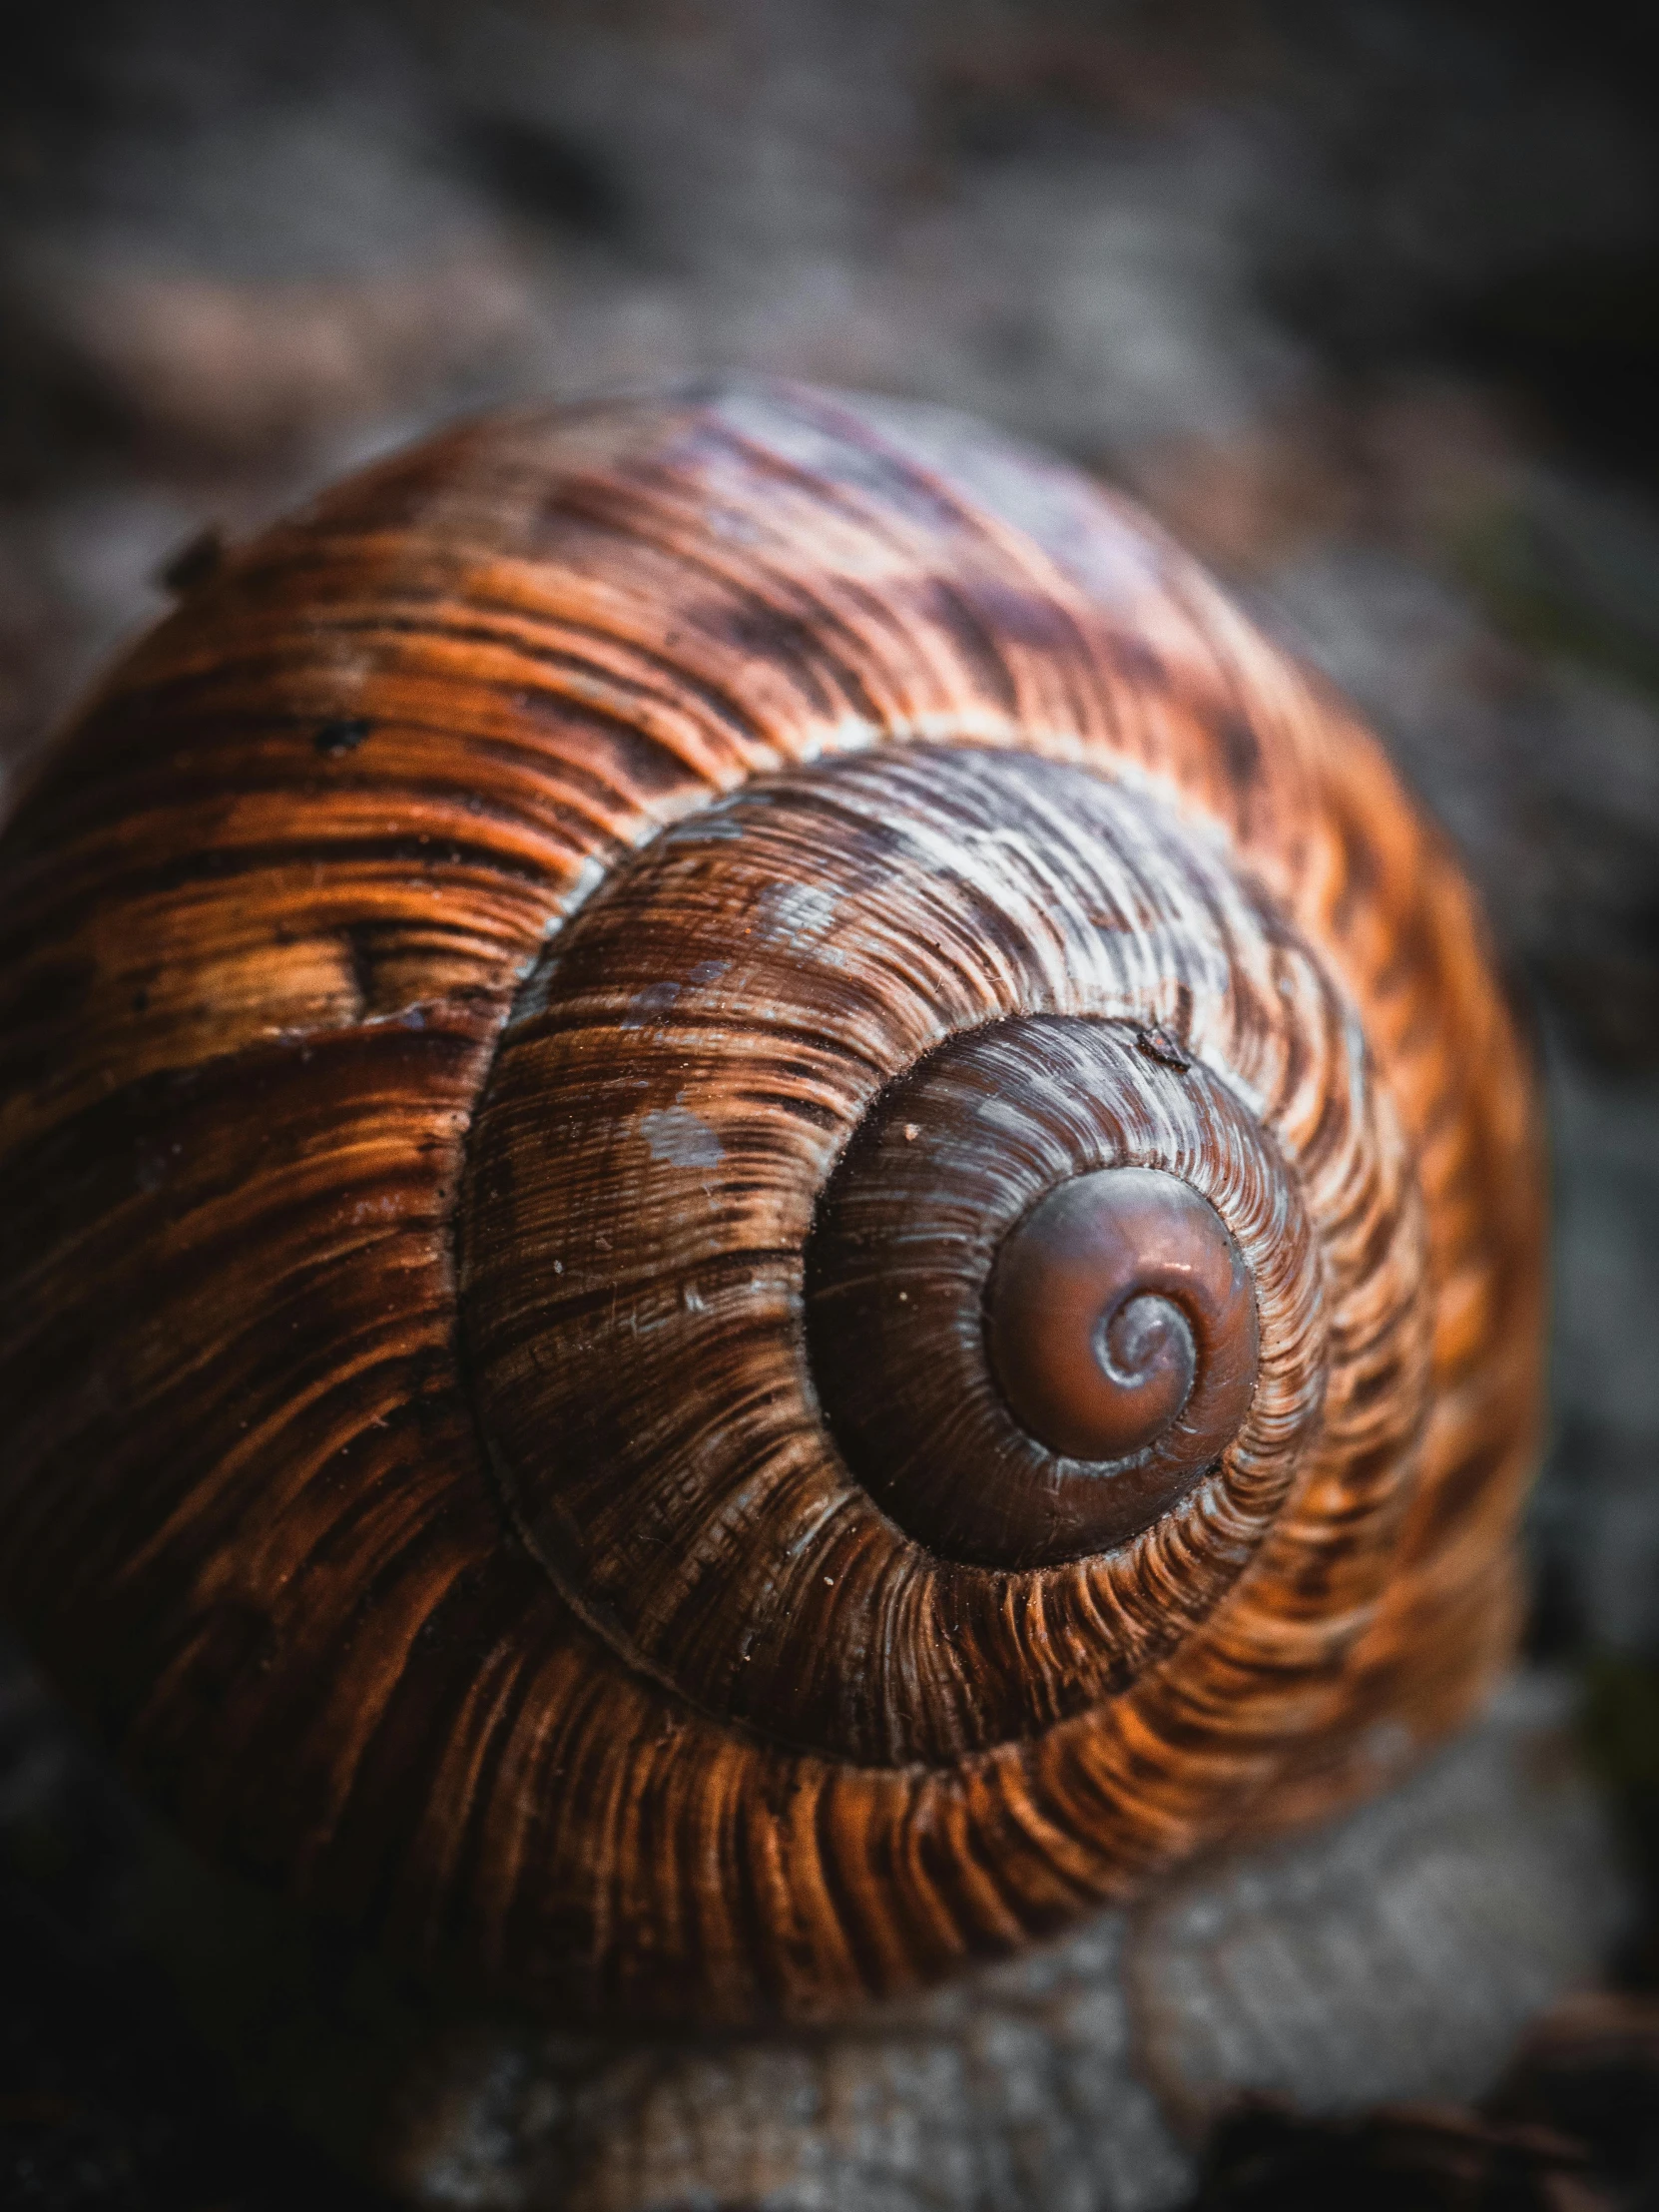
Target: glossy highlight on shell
836	1249
1118	1296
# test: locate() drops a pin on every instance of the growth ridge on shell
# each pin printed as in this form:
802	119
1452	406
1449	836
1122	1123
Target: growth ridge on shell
725	1319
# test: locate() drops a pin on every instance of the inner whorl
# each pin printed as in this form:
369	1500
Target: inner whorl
774	1139
1114	1324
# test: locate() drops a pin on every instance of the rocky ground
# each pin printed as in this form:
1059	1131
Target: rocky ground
1362	297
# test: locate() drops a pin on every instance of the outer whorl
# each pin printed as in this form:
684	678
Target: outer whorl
763	1217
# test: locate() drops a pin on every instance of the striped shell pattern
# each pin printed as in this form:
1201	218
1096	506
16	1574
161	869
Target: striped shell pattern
763	1215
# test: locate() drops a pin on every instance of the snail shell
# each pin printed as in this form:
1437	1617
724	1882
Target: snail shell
764	1218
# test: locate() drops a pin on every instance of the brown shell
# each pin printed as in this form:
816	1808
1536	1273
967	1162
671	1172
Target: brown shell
450	976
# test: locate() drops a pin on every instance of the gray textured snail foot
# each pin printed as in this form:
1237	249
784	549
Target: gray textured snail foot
1396	1955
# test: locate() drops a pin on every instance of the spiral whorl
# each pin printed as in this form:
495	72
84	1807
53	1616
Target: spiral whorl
769	1111
1117	1295
1118	1315
836	1248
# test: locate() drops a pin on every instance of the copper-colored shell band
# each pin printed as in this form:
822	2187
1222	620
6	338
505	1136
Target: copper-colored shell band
288	1024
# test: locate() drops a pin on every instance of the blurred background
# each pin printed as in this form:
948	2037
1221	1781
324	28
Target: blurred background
1360	296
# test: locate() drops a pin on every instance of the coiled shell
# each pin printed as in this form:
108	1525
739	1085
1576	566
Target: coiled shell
542	1019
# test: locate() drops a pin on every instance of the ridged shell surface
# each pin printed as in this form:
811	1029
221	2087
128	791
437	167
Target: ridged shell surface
531	1011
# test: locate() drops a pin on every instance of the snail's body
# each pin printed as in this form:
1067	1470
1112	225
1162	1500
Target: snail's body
475	985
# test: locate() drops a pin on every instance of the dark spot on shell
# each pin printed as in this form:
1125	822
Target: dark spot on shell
581	506
813	655
764	631
1026	617
1137	663
1239	752
357	943
620	759
342	736
975	636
